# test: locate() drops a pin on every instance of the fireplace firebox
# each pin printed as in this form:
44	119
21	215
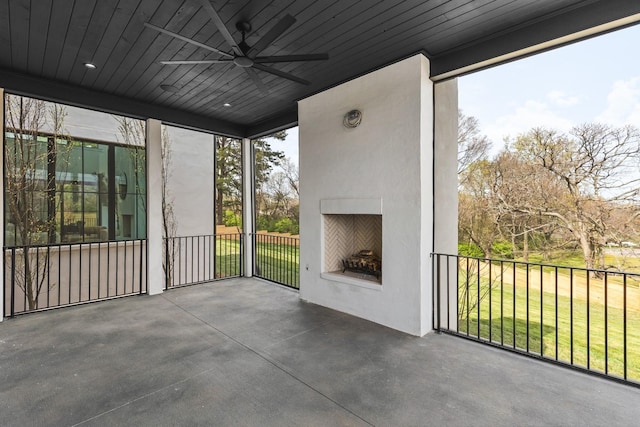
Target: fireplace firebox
353	246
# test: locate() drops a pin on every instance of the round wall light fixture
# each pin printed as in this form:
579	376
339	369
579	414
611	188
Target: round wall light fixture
352	119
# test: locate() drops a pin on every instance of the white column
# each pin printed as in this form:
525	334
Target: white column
248	202
155	272
2	204
446	194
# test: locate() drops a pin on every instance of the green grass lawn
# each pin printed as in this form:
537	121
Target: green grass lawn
575	258
568	258
498	320
228	258
277	262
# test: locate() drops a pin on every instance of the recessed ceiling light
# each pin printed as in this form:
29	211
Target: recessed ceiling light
169	88
226	104
90	66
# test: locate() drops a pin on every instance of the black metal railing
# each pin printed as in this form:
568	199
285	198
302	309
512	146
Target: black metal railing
583	318
190	260
277	258
48	276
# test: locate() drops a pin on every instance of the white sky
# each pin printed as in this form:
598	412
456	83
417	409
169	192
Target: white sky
597	80
289	146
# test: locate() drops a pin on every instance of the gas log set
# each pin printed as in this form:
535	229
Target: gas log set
365	262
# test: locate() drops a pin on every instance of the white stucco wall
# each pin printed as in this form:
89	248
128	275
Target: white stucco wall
191	173
388	157
2	210
95	125
191	181
446	191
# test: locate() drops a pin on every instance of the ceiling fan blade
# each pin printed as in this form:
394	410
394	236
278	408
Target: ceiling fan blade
256	80
221	27
275	32
213	61
282	74
186	39
291	58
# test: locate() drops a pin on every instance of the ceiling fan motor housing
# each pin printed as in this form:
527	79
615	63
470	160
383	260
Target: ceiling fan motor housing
243	61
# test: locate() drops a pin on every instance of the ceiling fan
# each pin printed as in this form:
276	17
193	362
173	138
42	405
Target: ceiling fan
243	55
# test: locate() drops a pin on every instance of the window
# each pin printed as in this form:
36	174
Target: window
62	189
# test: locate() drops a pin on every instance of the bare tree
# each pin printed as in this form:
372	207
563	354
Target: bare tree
477	223
472	146
133	133
292	174
169	224
277	200
592	167
478	219
475	282
35	153
514	184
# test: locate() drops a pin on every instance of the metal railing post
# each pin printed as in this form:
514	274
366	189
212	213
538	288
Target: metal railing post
438	283
13	282
167	272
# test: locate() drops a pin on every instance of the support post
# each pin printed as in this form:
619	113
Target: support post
155	272
2	284
445	237
248	205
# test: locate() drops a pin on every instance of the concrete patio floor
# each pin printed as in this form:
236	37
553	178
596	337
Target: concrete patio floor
246	352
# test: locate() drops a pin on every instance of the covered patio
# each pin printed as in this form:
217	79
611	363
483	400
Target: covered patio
373	91
245	352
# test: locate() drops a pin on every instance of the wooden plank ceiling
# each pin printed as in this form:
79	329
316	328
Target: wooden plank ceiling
44	44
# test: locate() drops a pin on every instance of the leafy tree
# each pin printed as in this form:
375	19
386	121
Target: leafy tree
229	170
228	175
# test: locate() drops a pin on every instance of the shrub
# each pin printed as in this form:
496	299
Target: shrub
278	225
231	219
469	249
502	249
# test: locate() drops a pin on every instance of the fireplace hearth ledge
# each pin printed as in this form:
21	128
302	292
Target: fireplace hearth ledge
353	281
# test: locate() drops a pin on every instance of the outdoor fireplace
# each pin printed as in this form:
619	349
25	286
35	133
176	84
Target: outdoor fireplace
353	246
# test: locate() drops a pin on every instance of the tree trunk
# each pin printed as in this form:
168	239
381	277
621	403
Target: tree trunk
219	209
51	189
587	251
525	246
30	288
487	251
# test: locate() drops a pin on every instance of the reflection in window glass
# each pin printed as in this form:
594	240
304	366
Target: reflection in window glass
62	189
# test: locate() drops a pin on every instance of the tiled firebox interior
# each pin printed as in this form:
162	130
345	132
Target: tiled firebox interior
345	235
